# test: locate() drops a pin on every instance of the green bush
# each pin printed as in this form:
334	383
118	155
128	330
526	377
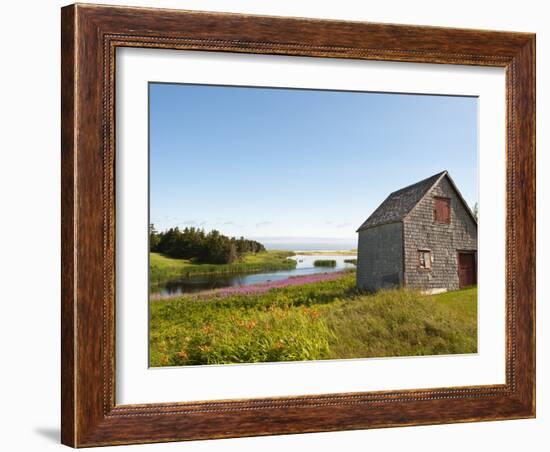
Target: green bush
324	263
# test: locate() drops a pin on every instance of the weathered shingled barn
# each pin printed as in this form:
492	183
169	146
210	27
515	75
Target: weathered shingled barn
422	236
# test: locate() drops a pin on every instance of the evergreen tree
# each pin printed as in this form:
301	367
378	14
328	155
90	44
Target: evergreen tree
193	243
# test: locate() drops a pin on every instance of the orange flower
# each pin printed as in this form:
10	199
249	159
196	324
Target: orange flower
314	314
182	355
251	324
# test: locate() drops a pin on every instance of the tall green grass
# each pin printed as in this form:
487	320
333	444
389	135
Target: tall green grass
403	323
325	320
324	263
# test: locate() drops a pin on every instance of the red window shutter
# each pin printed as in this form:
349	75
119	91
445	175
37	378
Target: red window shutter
442	210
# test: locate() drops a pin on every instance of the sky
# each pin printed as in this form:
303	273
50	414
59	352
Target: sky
294	165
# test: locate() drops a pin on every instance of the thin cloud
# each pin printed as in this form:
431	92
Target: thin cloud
262	224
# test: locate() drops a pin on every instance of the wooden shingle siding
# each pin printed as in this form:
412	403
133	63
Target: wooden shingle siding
421	231
380	257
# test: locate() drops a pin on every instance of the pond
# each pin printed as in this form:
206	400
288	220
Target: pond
198	283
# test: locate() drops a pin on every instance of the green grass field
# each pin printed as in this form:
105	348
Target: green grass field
324	320
163	268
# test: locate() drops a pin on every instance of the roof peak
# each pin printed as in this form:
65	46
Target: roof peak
399	203
434	176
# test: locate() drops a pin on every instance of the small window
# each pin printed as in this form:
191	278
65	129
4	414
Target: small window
425	259
442	210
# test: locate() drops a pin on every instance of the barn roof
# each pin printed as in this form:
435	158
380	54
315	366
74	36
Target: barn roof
399	203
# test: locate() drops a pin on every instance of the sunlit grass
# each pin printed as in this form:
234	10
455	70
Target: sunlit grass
322	320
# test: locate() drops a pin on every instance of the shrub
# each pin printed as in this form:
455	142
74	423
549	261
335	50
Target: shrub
324	263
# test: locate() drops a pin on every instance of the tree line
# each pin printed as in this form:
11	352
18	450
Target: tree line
202	247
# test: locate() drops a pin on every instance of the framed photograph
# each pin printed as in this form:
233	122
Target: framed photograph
281	225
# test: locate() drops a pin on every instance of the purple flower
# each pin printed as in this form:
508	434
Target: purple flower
255	288
264	287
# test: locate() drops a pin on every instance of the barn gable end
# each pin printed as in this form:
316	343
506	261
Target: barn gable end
423	236
443	241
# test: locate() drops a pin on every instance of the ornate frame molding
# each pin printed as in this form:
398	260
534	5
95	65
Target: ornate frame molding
90	36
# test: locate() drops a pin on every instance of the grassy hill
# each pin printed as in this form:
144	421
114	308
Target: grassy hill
163	268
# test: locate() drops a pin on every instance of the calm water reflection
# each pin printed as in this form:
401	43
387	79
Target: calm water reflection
199	283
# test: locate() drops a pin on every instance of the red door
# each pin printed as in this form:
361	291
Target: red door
466	269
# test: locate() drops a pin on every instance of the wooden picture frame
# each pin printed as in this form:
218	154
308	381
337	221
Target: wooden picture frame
90	36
